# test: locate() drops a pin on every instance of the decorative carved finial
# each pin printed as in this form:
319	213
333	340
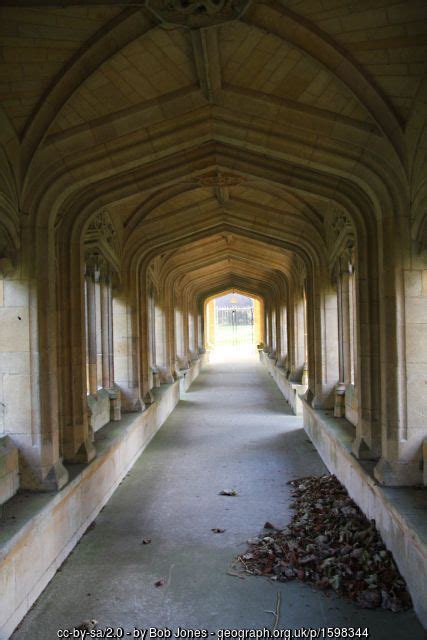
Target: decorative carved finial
340	221
196	14
101	227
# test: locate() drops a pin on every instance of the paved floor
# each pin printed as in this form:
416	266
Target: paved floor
232	430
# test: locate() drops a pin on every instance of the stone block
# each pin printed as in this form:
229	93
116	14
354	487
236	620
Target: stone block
416	344
15	293
425	462
14	335
17	401
413	283
9	469
99	408
15	362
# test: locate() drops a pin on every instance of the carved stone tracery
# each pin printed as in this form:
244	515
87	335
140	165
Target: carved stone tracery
196	14
102	245
102	227
341	243
341	222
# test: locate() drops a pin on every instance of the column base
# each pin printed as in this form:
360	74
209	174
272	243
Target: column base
85	454
175	372
115	404
304	377
308	395
399	474
362	451
138	406
148	398
55	480
339	406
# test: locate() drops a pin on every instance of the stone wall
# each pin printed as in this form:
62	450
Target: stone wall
291	390
9	470
396	512
32	554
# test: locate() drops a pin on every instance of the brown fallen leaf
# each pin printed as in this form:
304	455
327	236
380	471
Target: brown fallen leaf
160	583
216	530
330	544
91	527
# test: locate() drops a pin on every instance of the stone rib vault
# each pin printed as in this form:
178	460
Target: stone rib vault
156	154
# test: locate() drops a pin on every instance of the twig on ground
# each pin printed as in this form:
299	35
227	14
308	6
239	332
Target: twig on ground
276	613
235	574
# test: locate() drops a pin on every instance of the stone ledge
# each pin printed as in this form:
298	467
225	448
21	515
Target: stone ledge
189	375
399	512
38	531
291	390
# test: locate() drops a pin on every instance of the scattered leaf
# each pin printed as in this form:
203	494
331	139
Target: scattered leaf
160	583
217	530
146	541
226	492
330	544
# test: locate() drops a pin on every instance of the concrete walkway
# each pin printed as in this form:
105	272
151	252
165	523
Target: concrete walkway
232	430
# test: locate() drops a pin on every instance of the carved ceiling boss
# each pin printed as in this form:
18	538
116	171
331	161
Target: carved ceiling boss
195	14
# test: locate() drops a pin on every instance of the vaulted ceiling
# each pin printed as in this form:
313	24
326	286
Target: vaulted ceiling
225	149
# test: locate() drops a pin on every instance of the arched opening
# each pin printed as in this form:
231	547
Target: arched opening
233	324
179	339
163	193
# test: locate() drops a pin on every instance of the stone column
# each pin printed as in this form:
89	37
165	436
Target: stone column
258	322
402	456
30	331
299	346
210	312
91	325
327	352
284	357
185	330
345	333
107	346
290	316
110	333
167	374
267	321
145	329
201	331
344	342
106	332
126	351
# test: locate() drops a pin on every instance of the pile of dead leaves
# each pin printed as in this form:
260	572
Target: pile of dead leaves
330	544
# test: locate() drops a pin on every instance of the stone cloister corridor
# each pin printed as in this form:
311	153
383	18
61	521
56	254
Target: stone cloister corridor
156	156
232	429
